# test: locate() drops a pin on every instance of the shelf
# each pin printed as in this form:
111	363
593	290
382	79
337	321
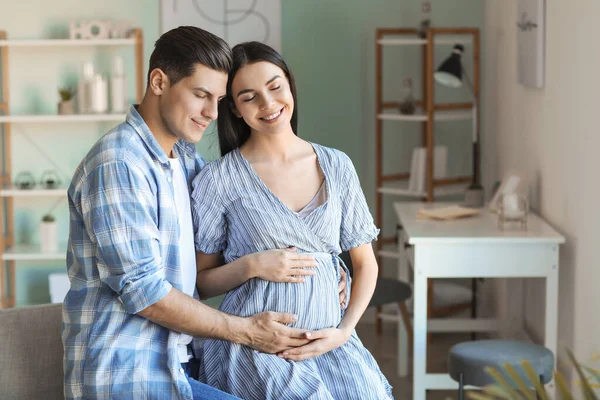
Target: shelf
401	189
61	118
32	253
15	192
403	41
455	115
66	42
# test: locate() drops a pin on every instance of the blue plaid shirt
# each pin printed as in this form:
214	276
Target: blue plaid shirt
122	257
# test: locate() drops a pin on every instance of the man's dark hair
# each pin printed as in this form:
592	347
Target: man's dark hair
178	51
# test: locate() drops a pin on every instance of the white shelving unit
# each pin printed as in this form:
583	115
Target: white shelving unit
11	252
66	42
26	119
23	252
16	192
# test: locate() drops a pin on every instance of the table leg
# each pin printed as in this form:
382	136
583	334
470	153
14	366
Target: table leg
419	328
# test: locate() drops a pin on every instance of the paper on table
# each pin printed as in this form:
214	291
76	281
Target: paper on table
446	213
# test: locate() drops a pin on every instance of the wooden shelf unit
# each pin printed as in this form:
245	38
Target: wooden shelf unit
391	184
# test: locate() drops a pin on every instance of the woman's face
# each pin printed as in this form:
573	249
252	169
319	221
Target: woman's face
262	97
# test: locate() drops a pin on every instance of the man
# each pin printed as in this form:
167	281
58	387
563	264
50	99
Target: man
130	315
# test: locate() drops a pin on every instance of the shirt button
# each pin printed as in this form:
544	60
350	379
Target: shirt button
181	370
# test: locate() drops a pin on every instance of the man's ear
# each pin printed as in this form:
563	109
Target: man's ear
158	82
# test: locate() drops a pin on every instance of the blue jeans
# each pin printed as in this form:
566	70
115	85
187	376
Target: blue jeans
201	391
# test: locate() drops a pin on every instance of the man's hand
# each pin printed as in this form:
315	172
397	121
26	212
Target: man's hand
329	339
267	333
342	288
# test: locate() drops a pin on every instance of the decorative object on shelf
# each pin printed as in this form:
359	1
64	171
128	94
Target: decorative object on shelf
83	91
66	106
530	42
407	105
98	94
50	180
512	208
425	19
118	102
48	234
100	29
450	73
24	180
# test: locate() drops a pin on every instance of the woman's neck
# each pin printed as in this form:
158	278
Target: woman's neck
280	147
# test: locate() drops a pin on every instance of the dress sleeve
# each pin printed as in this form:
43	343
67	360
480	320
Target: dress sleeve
208	214
357	227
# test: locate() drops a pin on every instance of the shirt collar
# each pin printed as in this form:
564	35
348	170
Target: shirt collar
137	122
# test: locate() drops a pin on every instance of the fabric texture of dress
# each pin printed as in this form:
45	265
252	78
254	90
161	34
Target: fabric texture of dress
236	213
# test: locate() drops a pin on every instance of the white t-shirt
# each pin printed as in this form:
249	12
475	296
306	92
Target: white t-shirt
187	253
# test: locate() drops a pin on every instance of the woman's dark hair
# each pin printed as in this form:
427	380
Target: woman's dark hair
178	51
233	131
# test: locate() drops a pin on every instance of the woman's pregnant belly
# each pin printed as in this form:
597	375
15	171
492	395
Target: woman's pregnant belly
315	301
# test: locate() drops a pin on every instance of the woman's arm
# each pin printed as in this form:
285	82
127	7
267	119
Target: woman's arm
363	286
212	279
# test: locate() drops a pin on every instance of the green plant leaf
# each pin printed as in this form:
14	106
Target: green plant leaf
532	376
588	393
523	387
561	386
499	378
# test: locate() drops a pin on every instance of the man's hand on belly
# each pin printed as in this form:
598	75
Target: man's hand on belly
266	332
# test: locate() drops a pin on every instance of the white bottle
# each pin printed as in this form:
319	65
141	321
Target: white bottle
118	102
98	91
83	96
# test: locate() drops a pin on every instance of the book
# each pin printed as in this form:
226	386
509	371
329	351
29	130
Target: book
447	213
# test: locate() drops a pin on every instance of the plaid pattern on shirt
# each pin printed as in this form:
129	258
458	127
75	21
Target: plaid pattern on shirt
122	257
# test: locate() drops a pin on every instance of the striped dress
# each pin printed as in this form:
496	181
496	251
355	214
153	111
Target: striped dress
235	213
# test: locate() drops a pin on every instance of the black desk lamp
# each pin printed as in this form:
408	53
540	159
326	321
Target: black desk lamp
450	73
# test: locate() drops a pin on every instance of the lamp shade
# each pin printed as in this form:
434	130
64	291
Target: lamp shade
449	73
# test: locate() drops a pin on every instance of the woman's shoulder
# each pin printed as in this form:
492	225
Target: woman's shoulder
217	169
333	158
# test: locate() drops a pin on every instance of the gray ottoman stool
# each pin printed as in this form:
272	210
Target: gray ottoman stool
467	361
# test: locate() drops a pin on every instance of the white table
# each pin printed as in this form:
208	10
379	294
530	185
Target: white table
467	248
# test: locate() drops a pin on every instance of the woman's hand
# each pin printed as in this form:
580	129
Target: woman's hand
323	341
282	265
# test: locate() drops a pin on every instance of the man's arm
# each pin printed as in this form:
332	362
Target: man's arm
265	332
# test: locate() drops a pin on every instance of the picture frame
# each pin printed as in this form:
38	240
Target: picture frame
531	42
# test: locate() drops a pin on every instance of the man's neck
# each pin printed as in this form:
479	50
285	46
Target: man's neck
151	116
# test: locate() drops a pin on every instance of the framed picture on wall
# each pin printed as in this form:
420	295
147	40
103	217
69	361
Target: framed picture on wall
530	42
233	20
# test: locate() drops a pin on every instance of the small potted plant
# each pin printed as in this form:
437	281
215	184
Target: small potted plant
66	106
48	234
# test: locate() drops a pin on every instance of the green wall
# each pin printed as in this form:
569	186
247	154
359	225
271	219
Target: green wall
329	46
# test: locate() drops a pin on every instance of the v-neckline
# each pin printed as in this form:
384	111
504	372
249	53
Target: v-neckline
269	192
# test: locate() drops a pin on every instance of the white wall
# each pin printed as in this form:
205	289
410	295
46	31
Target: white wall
552	135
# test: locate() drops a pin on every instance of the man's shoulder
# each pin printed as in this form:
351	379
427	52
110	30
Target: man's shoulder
122	144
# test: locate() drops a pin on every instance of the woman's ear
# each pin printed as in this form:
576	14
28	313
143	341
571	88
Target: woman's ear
235	111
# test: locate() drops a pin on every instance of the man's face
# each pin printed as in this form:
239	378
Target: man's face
188	107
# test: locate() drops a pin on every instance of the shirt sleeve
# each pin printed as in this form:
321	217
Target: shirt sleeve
120	214
208	214
357	227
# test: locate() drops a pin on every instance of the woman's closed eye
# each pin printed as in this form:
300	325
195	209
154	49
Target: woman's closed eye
246	100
